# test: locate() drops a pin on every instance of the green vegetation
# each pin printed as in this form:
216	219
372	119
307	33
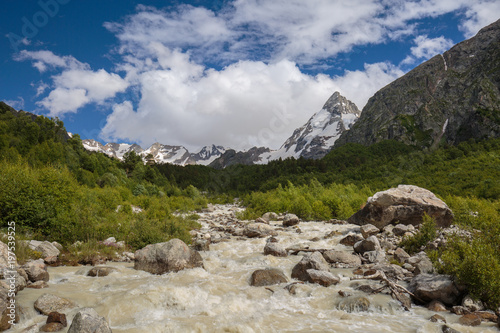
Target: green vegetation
56	190
425	234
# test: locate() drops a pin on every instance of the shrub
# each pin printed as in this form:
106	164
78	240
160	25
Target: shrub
425	234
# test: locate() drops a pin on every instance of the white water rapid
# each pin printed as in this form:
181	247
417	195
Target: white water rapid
219	297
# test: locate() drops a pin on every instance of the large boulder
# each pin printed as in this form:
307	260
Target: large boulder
430	287
313	260
405	204
369	244
344	258
267	277
259	230
290	220
36	271
171	256
275	249
47	249
87	320
48	303
323	278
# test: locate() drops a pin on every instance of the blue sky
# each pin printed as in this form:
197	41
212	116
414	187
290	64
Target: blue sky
235	73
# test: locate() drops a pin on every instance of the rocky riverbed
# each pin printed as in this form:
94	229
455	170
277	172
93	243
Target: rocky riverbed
275	274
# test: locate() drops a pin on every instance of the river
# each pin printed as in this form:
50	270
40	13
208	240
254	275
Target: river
219	297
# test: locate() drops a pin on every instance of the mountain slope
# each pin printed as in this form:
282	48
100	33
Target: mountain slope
451	98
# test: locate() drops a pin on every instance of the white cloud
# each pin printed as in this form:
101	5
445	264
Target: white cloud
479	15
427	48
76	86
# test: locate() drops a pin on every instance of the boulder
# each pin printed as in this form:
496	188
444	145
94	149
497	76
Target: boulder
56	317
261	220
290	220
351	239
430	287
270	216
421	263
368	230
6	314
267	277
342	257
259	230
470	319
4	256
48	303
171	256
448	329
405	204
369	244
354	304
374	257
52	327
87	320
400	229
401	255
436	306
310	261
100	271
47	249
471	304
36	270
275	249
323	278
437	319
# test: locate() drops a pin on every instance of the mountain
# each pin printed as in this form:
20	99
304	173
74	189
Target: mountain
451	98
161	153
313	140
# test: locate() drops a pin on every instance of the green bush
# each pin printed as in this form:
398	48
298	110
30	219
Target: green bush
425	234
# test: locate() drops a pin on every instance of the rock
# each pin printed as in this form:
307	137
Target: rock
50	260
275	249
436	306
254	230
299	289
429	287
33	244
110	240
38	285
201	244
48	303
88	321
261	220
36	270
405	204
100	271
400	229
58	246
447	329
351	239
374	257
342	257
471	304
56	317
31	329
354	304
459	310
310	261
171	256
437	318
15	280
8	311
368	230
323	278
470	319
290	220
270	216
392	271
52	327
487	316
421	263
267	277
4	256
400	255
369	244
47	249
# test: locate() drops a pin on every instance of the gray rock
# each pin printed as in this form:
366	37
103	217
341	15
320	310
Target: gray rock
405	204
421	263
36	270
471	304
368	230
267	277
259	230
58	246
323	278
342	257
100	271
87	320
448	329
401	255
4	256
369	244
429	287
171	256
270	216
400	229
373	257
351	239
354	304
310	261
261	220
275	249
47	249
290	220
48	303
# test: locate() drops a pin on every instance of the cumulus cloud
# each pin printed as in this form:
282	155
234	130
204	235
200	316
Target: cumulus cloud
76	86
426	48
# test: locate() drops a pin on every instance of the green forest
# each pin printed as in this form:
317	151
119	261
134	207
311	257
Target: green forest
56	190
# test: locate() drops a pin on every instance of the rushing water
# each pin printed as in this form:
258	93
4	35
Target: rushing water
220	299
